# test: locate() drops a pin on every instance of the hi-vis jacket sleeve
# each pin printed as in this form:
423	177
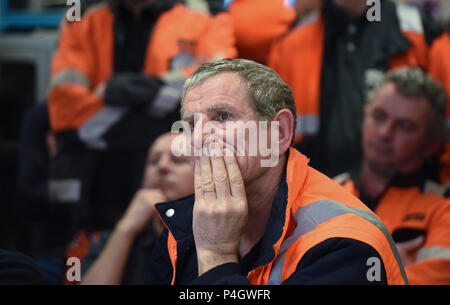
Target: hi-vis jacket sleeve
440	71
70	98
432	261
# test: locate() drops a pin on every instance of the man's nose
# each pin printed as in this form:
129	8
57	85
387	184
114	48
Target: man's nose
386	130
197	137
164	164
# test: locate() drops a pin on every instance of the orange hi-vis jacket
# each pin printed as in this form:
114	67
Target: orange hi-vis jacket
84	58
315	211
258	26
440	70
409	212
297	58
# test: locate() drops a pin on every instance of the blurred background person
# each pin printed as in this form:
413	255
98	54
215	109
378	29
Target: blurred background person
45	224
115	86
403	126
331	60
125	258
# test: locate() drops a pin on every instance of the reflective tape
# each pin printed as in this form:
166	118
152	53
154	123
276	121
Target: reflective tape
69	76
433	252
65	190
310	216
167	100
198	5
93	129
409	18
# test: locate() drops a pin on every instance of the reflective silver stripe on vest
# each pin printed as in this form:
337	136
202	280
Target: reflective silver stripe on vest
308	19
69	76
307	124
409	18
438	252
198	5
65	190
308	217
93	129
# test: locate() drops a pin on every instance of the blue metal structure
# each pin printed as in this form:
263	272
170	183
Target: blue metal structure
23	19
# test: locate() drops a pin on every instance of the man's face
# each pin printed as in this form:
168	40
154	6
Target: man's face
212	109
170	174
394	131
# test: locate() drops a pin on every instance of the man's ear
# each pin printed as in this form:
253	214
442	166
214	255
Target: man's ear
286	128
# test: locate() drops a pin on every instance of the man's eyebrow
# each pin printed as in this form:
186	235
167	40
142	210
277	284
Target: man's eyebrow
219	106
189	116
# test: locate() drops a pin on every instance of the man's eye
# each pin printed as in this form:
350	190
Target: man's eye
224	116
406	126
379	116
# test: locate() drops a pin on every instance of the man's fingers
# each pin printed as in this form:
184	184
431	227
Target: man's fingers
234	176
197	180
206	179
219	172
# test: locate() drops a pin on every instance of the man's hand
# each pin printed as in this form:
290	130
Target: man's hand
220	210
405	248
141	210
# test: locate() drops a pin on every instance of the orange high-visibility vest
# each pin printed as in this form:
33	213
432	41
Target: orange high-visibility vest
440	71
258	26
426	212
297	58
84	58
317	209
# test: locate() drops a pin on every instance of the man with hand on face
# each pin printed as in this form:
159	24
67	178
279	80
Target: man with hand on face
249	224
403	125
122	260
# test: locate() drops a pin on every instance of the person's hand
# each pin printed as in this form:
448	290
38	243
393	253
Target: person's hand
405	248
141	210
220	210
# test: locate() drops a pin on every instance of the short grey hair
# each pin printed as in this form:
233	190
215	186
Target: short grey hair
267	92
413	82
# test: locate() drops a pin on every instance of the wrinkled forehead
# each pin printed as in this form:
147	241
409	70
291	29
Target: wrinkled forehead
224	88
392	101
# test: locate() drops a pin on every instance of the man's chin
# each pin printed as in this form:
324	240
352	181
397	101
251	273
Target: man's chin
382	169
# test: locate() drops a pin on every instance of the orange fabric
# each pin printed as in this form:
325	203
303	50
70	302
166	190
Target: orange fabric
257	26
80	247
440	70
433	218
303	47
172	246
87	47
314	186
305	186
417	55
345	226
